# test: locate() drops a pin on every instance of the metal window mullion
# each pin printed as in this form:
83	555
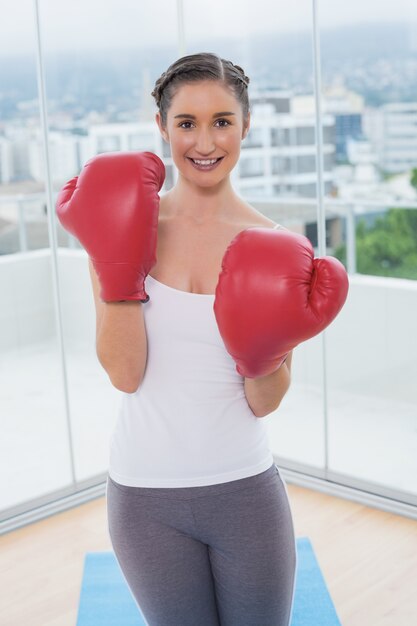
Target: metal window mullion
321	219
181	29
52	230
23	242
351	239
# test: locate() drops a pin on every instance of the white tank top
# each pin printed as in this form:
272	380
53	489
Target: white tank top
189	423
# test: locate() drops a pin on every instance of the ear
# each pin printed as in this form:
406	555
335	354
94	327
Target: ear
246	129
161	128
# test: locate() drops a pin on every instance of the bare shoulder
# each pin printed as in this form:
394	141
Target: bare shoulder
254	218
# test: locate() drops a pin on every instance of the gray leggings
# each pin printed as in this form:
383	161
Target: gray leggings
217	555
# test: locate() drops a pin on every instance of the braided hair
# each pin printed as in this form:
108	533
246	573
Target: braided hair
196	67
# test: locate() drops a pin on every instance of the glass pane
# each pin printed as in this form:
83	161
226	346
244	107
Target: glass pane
34	450
369	86
101	62
276	173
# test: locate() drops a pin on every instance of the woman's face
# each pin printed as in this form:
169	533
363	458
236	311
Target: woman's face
205	121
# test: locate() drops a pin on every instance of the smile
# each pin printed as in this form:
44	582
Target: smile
205	164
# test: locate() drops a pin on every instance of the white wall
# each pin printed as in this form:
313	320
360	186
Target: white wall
26	311
371	345
77	300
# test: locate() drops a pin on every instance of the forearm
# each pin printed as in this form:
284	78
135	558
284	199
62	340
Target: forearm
264	394
122	345
121	342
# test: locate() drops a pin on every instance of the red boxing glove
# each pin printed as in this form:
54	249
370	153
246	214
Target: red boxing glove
112	208
272	294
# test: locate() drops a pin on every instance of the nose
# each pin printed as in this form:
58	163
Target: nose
204	143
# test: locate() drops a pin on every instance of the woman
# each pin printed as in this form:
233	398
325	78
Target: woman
198	513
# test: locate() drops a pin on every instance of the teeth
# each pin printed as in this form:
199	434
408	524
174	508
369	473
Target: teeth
208	162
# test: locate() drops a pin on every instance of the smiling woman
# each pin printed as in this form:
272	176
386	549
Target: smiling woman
233	295
198	362
210	135
204	136
189	430
188	427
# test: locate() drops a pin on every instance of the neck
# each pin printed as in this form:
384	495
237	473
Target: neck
201	204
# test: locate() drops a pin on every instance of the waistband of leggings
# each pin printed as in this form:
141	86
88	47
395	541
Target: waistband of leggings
189	493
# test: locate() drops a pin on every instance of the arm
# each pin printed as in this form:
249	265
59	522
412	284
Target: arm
264	394
112	209
121	343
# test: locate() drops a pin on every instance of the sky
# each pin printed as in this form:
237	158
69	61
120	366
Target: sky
95	24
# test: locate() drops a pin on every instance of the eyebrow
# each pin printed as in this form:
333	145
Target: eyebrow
193	117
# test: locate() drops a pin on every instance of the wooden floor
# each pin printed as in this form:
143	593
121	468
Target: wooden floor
368	558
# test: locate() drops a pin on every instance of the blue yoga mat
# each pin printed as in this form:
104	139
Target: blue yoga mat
106	599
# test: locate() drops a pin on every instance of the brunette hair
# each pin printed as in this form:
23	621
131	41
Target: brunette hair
200	66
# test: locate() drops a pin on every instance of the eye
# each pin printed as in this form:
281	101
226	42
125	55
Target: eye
181	125
223	120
